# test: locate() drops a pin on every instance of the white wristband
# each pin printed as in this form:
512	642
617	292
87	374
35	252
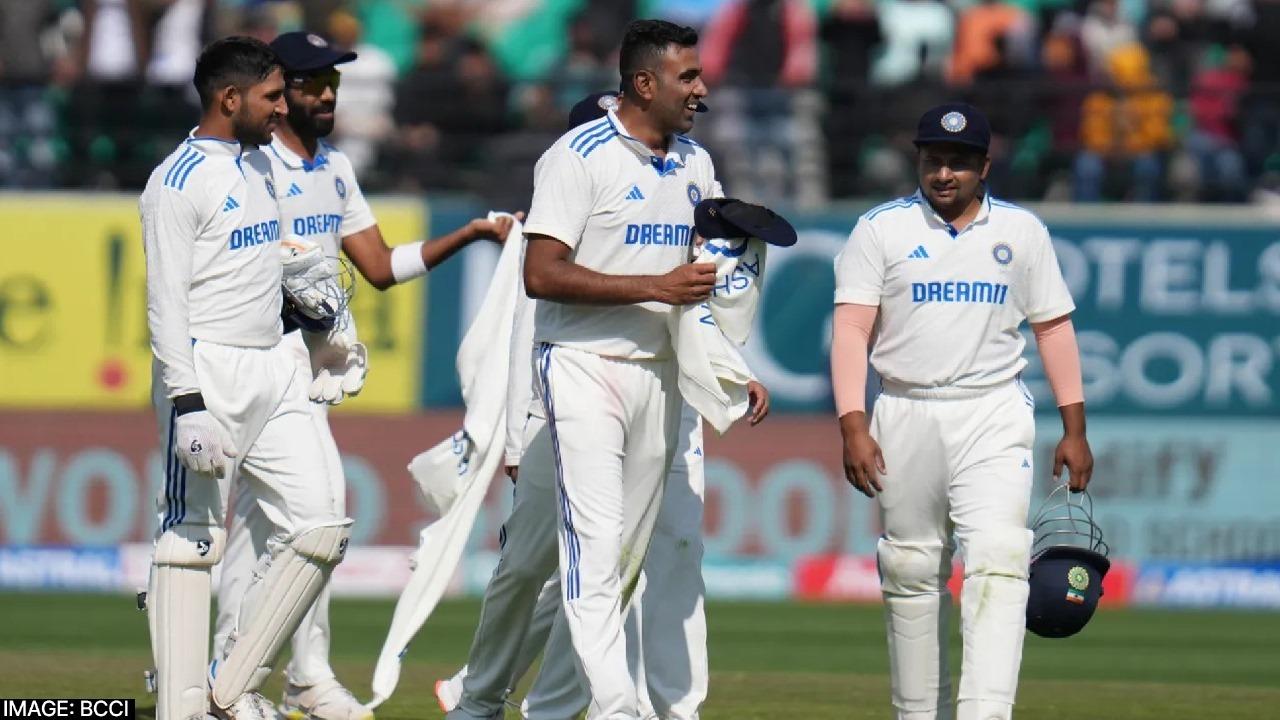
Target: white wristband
406	262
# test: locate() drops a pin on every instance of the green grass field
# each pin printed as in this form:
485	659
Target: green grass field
769	660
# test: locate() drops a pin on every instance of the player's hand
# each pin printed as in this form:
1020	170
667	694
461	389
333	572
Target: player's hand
1073	452
513	472
202	444
759	396
863	461
495	230
688	284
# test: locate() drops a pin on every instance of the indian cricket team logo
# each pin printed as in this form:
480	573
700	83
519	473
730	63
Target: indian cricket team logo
954	122
316	40
695	195
1078	578
1002	253
341	187
271	187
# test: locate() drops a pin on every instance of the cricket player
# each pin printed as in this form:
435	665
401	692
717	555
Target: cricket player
516	617
229	397
321	203
608	238
946	276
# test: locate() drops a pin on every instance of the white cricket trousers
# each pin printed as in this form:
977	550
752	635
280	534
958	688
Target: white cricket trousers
957	462
666	623
613	425
247	543
520	603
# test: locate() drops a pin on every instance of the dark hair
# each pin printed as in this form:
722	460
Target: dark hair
237	60
644	44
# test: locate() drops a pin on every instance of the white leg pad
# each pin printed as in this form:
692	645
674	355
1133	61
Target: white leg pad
913	580
298	568
178	600
993	608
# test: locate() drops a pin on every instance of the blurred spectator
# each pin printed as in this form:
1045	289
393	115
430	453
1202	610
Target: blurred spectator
28	142
393	26
978	31
760	43
918	36
1126	126
364	115
1102	33
850	33
1006	90
590	64
1215	113
1261	111
446	108
1065	83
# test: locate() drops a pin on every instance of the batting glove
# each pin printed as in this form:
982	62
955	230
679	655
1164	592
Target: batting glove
202	444
339	365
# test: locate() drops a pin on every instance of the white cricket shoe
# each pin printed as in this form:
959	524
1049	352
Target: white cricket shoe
326	700
447	695
249	706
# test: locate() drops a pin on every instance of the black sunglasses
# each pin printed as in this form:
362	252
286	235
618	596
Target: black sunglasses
315	83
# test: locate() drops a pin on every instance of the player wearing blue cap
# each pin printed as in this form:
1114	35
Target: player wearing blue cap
322	210
946	276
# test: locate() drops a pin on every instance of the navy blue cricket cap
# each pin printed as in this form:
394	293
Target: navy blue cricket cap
729	218
959	123
302	52
592	107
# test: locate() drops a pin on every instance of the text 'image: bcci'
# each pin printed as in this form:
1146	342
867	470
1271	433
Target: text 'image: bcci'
32	708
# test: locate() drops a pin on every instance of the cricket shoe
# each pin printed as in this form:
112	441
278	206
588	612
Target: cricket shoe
447	695
249	706
326	700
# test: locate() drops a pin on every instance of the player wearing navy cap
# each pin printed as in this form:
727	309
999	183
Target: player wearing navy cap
946	276
321	206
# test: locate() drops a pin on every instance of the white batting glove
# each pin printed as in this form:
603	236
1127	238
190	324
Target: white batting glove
339	365
202	444
308	277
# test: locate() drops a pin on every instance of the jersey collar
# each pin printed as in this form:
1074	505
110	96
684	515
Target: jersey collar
984	211
214	145
294	161
663	166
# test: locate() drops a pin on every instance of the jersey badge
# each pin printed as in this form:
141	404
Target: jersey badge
954	122
341	187
695	195
1002	253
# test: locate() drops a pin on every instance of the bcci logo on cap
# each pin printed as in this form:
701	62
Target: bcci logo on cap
316	40
954	122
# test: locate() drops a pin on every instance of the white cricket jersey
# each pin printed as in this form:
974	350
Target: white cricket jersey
320	199
951	302
210	227
622	211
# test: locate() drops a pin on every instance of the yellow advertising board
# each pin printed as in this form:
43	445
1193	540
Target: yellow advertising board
73	313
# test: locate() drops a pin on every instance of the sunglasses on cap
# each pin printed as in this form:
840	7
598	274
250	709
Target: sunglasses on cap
315	83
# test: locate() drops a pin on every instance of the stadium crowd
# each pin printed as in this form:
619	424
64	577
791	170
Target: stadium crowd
812	100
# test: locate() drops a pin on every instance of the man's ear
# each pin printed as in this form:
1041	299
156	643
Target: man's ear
645	83
230	98
986	166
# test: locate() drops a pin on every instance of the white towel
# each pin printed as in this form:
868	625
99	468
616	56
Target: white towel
706	337
454	475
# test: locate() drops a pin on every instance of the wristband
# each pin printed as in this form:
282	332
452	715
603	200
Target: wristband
406	262
189	403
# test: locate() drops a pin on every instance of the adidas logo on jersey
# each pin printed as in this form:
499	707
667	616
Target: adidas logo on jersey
635	193
294	190
230	204
919	252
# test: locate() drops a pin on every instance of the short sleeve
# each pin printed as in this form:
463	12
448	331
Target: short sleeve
860	267
356	216
1047	295
562	196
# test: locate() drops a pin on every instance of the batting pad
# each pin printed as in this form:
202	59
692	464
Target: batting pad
297	572
917	615
178	599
